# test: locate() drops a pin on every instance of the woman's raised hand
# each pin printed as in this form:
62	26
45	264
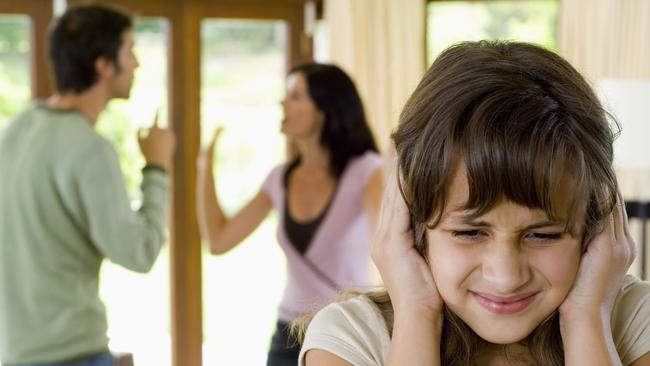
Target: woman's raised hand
406	275
602	267
206	155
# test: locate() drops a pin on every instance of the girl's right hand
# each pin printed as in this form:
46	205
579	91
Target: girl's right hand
406	275
206	155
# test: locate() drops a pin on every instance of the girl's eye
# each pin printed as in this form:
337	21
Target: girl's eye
468	234
544	237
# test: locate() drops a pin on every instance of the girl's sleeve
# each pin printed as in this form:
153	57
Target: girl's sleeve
631	320
353	330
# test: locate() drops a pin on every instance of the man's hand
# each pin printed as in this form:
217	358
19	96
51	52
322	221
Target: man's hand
157	145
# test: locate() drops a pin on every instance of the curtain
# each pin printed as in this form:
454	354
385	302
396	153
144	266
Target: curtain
606	38
380	43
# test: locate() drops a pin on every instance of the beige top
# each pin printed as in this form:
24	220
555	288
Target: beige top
355	330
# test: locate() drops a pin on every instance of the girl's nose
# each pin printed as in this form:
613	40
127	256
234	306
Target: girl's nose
505	268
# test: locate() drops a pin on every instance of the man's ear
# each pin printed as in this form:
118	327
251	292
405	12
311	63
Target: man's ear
104	68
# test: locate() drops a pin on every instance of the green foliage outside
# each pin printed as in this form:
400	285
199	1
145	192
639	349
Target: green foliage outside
450	22
14	66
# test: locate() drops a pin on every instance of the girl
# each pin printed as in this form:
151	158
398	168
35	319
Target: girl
502	240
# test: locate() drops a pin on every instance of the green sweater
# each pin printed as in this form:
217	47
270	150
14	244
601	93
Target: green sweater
63	208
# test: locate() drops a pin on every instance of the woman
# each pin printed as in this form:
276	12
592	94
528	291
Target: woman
327	197
503	240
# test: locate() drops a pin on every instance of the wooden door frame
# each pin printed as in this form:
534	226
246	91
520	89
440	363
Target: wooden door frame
40	15
184	92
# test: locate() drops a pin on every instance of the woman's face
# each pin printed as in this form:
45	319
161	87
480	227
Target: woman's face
302	119
503	272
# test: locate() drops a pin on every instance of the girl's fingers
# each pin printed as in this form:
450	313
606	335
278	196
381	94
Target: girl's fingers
626	225
619	235
394	215
401	216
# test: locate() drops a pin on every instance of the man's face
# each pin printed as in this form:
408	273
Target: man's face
122	79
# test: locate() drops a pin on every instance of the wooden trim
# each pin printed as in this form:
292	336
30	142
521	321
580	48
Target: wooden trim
299	45
184	85
184	88
40	14
42	86
185	252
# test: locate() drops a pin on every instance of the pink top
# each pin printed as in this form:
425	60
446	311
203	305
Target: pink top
338	256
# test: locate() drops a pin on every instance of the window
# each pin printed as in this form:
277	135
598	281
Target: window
128	294
15	90
242	83
449	22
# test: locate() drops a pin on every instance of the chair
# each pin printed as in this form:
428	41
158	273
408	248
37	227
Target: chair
638	210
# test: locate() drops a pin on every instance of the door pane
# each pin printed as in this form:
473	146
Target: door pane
138	304
15	81
243	70
449	22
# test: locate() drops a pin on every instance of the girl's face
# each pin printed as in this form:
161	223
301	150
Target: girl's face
503	272
302	119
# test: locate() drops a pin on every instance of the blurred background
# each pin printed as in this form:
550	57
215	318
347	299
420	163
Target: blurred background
205	64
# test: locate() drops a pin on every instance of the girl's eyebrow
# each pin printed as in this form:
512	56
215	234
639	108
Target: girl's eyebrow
468	220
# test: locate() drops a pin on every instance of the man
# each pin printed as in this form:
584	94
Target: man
63	203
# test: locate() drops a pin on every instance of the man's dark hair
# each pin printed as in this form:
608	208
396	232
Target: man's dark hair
78	38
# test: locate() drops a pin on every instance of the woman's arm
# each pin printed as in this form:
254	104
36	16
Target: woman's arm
372	204
221	232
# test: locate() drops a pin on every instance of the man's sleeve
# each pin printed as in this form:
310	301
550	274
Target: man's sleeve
129	238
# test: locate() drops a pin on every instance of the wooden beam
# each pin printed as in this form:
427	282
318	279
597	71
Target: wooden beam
39	54
40	15
185	254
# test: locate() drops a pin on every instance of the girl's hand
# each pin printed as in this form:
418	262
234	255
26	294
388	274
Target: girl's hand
206	155
406	275
602	268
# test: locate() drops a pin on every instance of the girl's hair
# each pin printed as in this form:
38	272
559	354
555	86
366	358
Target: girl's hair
524	122
345	132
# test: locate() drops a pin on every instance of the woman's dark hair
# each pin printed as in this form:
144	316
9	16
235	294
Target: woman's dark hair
524	122
80	36
345	132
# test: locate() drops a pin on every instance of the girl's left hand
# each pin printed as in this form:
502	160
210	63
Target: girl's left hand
602	268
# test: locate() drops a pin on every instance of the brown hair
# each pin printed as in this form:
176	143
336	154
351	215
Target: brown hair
524	122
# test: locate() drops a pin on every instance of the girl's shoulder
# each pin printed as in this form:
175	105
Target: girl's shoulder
353	329
631	319
634	293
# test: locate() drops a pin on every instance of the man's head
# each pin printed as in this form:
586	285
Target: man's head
89	44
